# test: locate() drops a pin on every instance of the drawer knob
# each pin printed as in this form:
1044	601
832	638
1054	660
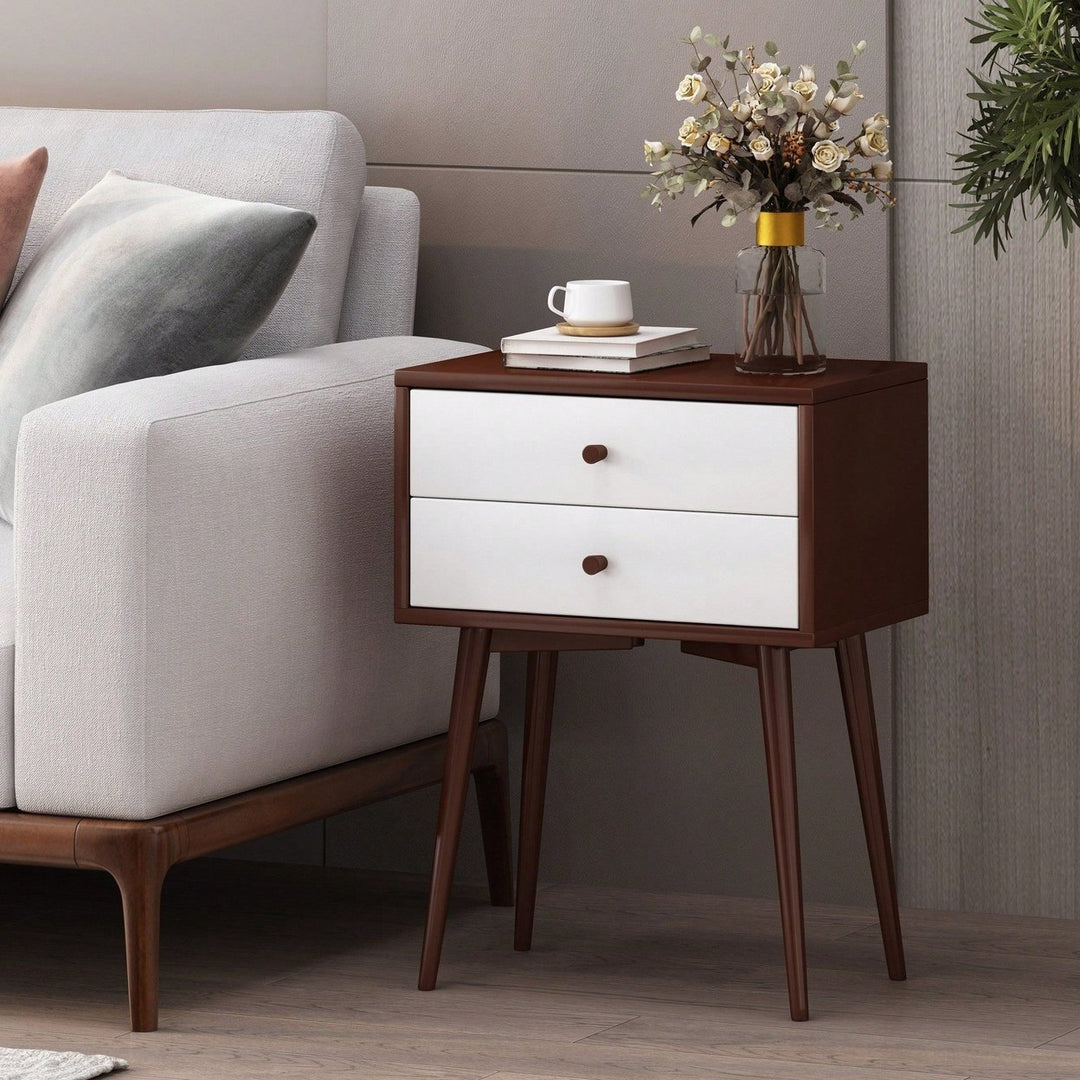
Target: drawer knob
593	453
593	564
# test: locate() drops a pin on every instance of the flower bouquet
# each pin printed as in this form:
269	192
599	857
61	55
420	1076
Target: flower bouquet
763	144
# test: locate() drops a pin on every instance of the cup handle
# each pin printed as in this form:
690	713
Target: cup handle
551	300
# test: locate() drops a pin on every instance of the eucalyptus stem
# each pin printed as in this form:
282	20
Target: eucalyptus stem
781	322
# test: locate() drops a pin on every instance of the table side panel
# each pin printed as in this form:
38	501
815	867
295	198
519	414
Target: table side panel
867	520
401	498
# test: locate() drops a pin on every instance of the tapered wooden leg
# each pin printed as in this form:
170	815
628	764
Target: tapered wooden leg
474	645
854	668
493	798
138	857
142	938
774	682
539	699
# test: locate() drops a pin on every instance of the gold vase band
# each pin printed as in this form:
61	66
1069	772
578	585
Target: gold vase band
781	230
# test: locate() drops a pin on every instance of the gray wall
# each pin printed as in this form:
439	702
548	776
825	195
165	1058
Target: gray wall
520	126
988	687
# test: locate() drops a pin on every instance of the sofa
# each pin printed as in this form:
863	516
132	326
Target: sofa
197	641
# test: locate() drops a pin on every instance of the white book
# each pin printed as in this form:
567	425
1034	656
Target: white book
649	339
618	365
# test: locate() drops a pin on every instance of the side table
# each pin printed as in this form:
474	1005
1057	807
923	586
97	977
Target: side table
545	511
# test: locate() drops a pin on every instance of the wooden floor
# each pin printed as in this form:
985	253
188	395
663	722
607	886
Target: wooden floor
296	972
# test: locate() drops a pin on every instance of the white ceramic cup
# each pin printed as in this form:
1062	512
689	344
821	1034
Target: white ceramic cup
594	303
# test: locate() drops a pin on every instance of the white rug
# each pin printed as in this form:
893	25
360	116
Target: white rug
55	1065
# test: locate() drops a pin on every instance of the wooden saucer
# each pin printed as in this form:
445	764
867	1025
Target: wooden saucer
598	331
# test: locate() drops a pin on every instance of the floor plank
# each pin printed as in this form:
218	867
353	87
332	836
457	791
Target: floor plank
273	971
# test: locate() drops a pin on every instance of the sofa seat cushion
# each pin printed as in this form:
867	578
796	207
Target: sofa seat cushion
7	667
312	160
138	280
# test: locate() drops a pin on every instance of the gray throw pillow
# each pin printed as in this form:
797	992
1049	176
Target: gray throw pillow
138	279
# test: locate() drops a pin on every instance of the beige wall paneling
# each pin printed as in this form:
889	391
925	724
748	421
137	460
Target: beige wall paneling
932	52
937	748
1027	598
493	241
164	54
567	85
1069	655
987	688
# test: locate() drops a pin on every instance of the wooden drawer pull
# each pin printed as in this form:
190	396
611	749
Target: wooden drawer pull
593	564
594	452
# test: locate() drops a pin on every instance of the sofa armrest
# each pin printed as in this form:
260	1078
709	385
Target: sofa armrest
204	584
380	290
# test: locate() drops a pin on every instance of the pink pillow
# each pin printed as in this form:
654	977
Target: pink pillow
20	182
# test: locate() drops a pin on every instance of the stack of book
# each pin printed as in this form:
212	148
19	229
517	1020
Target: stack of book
651	347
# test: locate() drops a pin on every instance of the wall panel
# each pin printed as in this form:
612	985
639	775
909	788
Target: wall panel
1027	600
554	85
988	687
494	241
932	51
164	54
938	759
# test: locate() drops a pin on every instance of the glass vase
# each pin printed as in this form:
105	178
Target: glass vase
780	292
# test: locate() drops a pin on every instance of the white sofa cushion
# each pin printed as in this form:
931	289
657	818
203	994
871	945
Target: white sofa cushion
7	667
205	584
312	161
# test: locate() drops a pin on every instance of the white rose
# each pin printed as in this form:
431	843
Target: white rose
882	170
769	74
827	156
806	73
656	151
843	104
691	89
692	134
872	143
718	143
741	111
761	147
824	128
805	90
877	122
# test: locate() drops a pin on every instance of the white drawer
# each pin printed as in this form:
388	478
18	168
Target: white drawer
664	455
663	565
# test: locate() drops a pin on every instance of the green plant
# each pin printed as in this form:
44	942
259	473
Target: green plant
1023	142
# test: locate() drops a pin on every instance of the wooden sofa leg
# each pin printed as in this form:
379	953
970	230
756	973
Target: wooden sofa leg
138	856
491	776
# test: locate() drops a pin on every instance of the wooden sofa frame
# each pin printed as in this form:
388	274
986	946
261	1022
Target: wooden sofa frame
138	854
